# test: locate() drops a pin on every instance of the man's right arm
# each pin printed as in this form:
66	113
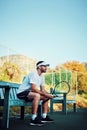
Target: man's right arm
34	89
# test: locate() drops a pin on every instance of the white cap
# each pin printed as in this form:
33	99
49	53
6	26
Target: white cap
43	64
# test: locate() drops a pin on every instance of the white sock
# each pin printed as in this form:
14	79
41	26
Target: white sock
34	116
44	115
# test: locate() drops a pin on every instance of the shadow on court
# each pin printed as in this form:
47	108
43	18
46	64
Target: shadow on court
71	121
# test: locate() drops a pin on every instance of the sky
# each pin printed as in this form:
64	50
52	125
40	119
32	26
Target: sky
50	30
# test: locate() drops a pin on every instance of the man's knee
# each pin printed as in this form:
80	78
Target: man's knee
37	96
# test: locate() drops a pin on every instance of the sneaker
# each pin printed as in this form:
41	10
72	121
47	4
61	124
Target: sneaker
47	119
37	121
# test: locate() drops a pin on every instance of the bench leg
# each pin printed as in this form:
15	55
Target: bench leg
64	105
74	107
5	120
51	106
22	112
39	113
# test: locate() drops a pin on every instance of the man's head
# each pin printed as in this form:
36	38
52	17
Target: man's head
42	65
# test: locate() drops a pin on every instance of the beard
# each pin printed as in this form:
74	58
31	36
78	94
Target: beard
43	70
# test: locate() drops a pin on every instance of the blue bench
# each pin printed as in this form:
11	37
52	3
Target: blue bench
8	98
60	99
63	100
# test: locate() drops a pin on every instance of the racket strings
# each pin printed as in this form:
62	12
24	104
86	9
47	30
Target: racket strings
61	87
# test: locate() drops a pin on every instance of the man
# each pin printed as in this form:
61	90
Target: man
32	89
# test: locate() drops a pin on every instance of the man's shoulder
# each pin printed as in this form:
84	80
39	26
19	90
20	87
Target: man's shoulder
33	72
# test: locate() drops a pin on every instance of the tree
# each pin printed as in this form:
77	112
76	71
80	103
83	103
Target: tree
75	66
10	72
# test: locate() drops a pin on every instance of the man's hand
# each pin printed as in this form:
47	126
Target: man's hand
48	95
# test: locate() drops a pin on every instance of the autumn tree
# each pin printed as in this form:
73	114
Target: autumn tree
10	72
81	71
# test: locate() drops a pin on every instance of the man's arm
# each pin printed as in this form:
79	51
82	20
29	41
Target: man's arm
42	92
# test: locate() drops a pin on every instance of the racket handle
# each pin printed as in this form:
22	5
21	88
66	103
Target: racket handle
54	96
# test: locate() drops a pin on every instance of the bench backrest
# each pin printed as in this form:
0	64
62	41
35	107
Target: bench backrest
13	91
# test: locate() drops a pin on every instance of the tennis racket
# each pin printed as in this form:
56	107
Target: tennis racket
60	88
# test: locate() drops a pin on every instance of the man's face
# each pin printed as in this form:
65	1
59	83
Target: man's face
43	68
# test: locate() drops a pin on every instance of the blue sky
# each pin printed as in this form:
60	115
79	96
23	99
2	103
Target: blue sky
50	30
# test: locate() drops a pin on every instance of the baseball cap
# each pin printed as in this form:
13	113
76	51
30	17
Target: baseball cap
43	63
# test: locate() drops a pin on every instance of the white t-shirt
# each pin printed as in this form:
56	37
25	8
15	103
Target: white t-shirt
34	78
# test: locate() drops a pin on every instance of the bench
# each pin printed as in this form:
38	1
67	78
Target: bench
63	100
60	99
8	98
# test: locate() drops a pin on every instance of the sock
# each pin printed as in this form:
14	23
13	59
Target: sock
44	115
34	116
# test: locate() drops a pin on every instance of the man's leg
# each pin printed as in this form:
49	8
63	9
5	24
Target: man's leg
45	117
45	106
35	97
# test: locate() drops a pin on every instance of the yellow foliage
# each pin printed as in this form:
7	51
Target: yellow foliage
75	66
10	72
